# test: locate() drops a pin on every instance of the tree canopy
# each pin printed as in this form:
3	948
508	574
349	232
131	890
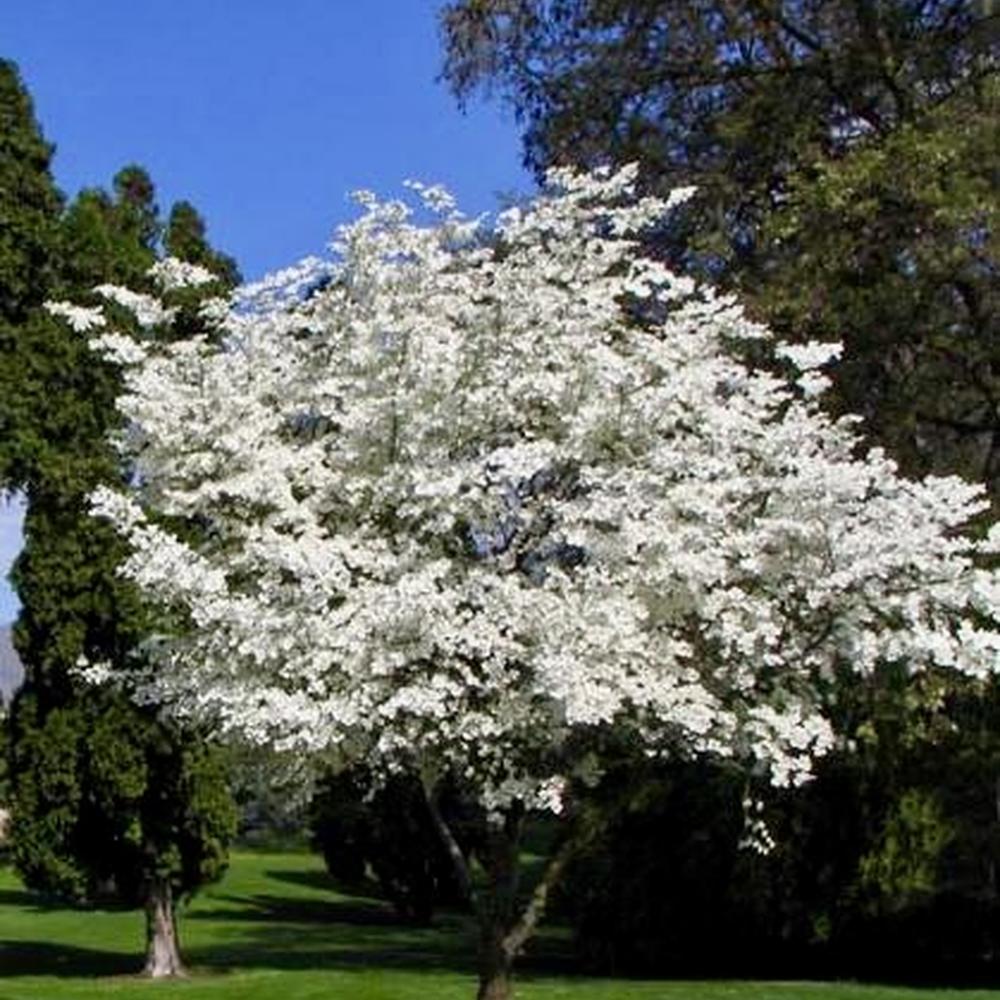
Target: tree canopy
30	204
476	500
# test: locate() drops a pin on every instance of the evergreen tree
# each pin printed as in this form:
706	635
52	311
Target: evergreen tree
29	202
185	239
106	799
30	206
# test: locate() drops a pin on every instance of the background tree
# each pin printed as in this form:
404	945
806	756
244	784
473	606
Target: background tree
185	238
106	799
894	247
30	208
843	153
882	866
390	833
30	204
845	157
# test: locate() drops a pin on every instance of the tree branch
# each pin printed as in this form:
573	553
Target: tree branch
535	909
459	864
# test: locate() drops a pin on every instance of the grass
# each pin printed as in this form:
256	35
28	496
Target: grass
275	927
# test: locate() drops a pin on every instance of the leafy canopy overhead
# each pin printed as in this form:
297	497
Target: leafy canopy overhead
736	95
467	499
845	157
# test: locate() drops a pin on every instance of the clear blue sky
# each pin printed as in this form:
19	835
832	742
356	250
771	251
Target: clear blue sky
264	114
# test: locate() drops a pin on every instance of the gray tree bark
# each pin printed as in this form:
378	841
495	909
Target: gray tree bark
504	924
163	956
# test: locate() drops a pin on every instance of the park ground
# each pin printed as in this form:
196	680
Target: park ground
274	927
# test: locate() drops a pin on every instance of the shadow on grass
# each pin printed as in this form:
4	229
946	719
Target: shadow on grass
311	879
44	902
297	932
314	931
43	958
272	909
28	900
346	947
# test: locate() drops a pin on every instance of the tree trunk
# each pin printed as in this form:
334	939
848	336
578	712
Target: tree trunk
494	905
497	910
163	957
504	925
494	965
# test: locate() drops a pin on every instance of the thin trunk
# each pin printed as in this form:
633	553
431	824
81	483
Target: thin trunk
504	927
526	924
498	908
163	957
495	963
491	904
991	864
458	862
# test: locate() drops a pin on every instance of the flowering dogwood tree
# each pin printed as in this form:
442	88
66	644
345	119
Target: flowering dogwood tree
465	501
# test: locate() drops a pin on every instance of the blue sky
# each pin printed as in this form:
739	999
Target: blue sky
265	115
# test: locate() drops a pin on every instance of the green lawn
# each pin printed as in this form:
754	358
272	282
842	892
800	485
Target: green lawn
274	928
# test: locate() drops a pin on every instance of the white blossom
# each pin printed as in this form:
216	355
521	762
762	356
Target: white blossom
170	274
464	498
811	355
148	311
79	318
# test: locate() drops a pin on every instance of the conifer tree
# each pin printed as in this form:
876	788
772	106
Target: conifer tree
29	202
185	239
106	799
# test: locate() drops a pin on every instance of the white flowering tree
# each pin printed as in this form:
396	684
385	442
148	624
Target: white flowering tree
467	501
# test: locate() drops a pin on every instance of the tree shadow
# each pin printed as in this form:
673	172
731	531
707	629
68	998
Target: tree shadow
315	930
43	958
271	909
312	878
25	900
289	933
328	947
47	902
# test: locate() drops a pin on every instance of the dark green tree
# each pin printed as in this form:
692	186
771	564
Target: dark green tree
894	248
30	208
111	806
106	799
30	204
884	865
389	831
185	239
845	156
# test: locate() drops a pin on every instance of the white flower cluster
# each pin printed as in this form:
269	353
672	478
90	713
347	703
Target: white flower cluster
469	497
807	358
171	274
80	318
148	311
